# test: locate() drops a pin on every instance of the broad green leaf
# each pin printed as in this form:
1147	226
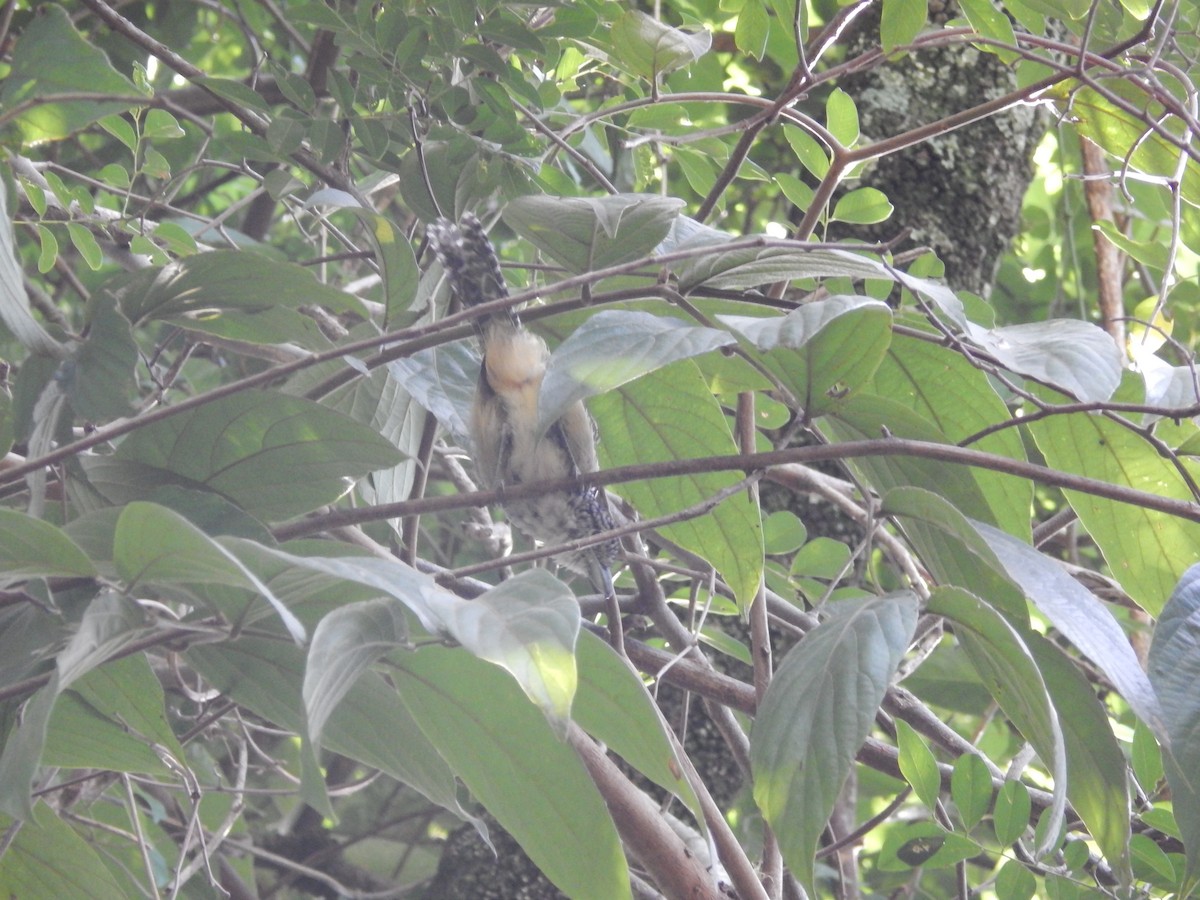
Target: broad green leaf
918	764
1011	815
614	347
386	405
646	47
914	845
901	21
864	206
613	706
740	268
1072	356
866	417
52	59
825	350
99	375
944	387
588	233
85	242
200	291
113	717
33	548
952	548
274	455
971	788
753	25
527	625
344	645
817	712
109	623
1174	668
266	675
154	545
1080	616
48	858
670	414
1097	771
1143	548
1001	655
504	751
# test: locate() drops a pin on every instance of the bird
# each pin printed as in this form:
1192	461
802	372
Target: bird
509	448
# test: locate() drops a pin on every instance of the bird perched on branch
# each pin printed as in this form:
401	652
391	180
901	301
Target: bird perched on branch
508	448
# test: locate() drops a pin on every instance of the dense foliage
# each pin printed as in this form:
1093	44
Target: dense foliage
259	634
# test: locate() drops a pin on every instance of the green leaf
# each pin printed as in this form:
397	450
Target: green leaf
85	243
670	414
945	388
1011	816
918	764
154	545
50	59
99	378
48	245
817	712
397	264
1125	137
241	95
923	845
1174	668
825	350
47	858
33	548
160	125
274	455
613	706
953	549
113	718
990	22
842	117
109	623
527	625
265	675
344	645
753	26
1144	548
1002	657
202	289
866	417
971	788
646	47
865	206
811	153
614	347
1080	616
503	750
1014	881
900	22
1097	771
1072	356
15	313
585	233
